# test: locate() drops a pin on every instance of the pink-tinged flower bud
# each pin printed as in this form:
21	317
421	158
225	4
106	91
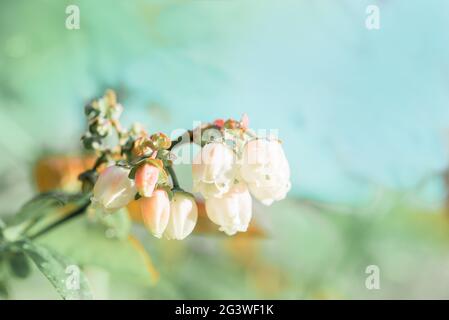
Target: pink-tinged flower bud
244	122
183	216
232	212
113	189
156	212
219	123
146	179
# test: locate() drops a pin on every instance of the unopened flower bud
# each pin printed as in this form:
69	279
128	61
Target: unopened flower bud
146	179
183	216
113	189
160	141
155	212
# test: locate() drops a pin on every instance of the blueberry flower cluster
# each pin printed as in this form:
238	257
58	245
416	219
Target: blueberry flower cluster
233	165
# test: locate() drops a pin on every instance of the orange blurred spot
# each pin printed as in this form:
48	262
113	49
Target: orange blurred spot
268	279
134	211
144	254
61	172
243	250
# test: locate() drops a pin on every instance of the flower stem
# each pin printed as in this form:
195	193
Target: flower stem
78	211
180	139
174	178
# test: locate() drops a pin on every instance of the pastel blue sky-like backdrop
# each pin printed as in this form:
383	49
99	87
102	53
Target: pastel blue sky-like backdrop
354	107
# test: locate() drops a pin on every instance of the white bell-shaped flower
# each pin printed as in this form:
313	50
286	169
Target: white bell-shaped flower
113	189
183	216
214	170
265	169
232	212
155	212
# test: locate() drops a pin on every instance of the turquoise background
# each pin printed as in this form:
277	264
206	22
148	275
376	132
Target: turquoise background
363	114
356	108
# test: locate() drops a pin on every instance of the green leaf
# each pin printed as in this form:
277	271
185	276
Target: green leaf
163	177
37	207
19	265
2	227
87	244
4	289
4	292
65	276
132	173
43	211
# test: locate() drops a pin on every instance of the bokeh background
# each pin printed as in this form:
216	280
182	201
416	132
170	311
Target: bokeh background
363	114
